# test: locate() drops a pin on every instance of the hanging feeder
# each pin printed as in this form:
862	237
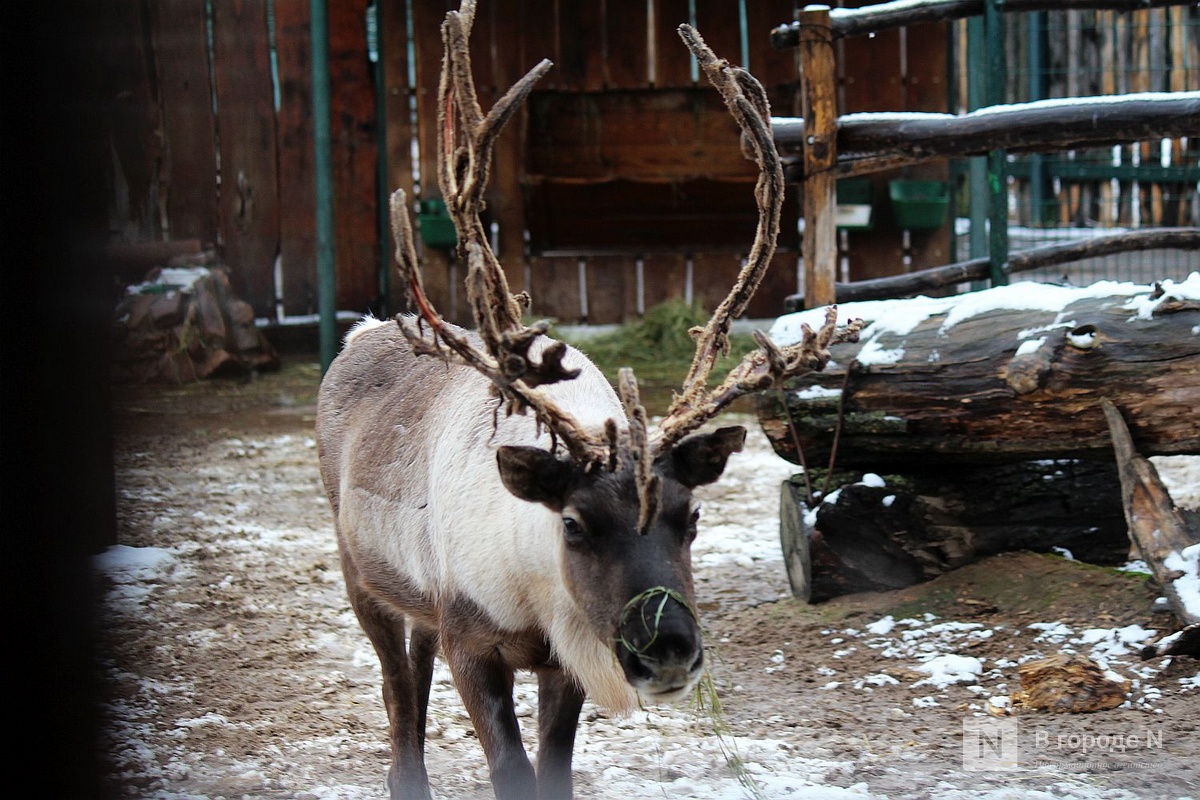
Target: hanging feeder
437	229
919	205
854	204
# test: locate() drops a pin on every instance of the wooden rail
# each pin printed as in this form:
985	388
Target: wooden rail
872	142
977	269
824	147
901	13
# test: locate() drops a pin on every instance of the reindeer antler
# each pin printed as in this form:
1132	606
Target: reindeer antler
769	365
466	142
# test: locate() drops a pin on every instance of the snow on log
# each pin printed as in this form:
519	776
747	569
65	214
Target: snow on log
872	141
1159	532
1185	642
1009	374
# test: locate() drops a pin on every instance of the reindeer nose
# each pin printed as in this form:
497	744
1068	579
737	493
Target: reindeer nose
661	651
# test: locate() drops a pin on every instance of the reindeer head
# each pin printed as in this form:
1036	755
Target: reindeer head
632	577
624	494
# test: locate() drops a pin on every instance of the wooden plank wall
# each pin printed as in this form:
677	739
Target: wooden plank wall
215	160
624	170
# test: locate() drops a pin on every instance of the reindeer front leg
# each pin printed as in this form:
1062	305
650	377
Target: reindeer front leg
559	702
485	682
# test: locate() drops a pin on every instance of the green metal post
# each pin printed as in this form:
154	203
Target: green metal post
997	178
382	193
977	166
1035	47
323	179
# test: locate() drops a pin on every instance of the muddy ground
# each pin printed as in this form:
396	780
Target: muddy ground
234	667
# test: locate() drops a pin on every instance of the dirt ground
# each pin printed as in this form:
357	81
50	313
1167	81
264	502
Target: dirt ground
234	667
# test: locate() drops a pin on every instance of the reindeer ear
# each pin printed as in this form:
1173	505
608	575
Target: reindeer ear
700	459
533	474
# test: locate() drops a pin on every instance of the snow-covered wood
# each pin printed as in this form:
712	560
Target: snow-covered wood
868	142
1008	374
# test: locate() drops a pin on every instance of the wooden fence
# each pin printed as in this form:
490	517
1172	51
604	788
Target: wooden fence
1082	52
621	184
211	135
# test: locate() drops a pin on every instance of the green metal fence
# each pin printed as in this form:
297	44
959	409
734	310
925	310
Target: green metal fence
1059	197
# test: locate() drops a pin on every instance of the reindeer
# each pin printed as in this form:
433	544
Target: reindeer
493	495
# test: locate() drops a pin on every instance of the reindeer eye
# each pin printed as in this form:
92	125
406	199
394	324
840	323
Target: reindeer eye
573	529
693	518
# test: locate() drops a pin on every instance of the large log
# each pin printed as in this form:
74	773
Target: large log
1013	373
900	529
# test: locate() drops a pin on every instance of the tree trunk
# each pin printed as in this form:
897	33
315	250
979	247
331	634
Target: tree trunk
985	378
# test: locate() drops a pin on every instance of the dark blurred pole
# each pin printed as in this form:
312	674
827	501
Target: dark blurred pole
997	77
323	164
58	492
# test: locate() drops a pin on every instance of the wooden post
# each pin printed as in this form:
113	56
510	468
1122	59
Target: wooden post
817	79
1156	527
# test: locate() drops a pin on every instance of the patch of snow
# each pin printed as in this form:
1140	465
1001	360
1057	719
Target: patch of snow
872	354
124	564
1030	346
950	668
1187	586
817	393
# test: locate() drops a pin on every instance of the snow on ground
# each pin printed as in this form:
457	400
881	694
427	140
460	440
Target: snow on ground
656	753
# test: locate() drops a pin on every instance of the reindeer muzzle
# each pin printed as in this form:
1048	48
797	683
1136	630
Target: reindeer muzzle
660	646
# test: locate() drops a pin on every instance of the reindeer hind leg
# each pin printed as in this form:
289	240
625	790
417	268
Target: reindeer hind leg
422	647
404	696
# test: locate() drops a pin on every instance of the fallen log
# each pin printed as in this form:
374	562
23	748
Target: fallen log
1009	374
878	533
1160	534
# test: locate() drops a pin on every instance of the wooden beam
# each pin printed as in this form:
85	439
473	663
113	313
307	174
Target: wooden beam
873	142
1157	529
902	13
818	78
976	269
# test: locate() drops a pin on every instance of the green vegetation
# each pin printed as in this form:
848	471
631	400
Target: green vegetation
658	346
